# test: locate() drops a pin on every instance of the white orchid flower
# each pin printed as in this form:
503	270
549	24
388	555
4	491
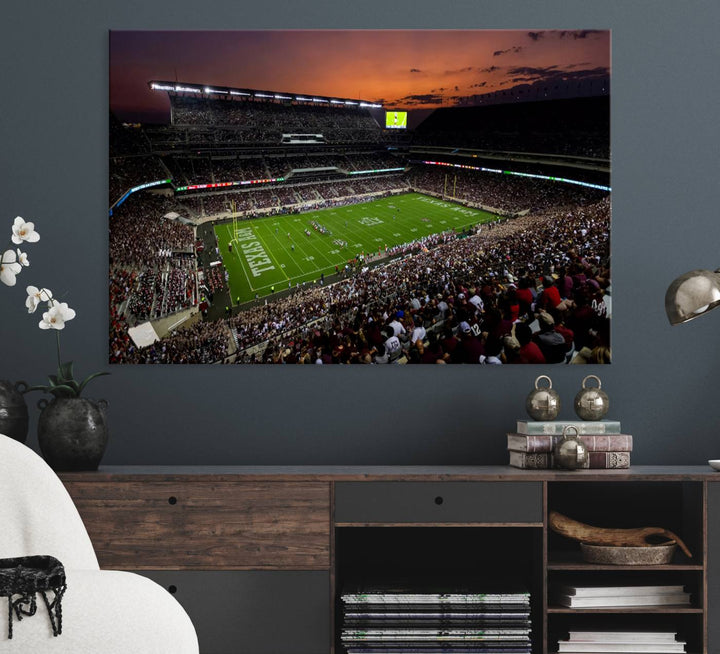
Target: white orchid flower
9	267
22	258
36	296
56	317
22	231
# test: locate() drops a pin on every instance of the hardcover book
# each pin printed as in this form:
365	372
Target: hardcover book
546	442
624	648
604	591
666	599
545	460
555	427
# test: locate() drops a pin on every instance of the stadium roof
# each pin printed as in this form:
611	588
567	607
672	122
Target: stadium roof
214	91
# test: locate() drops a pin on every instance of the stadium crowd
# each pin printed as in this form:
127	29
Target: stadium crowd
152	262
506	193
255	121
528	290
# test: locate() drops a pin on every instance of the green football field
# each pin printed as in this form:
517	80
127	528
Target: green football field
276	252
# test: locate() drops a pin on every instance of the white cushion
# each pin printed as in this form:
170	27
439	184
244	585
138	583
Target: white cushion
105	612
36	513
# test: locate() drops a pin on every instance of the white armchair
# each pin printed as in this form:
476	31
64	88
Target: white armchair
104	612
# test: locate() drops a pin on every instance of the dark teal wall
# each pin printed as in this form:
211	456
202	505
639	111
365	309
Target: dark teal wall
666	158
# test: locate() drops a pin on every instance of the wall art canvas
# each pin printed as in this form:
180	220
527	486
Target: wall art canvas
360	197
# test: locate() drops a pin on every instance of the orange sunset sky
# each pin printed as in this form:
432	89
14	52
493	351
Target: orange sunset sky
413	69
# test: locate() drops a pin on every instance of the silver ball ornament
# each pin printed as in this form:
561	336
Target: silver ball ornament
591	403
570	452
543	403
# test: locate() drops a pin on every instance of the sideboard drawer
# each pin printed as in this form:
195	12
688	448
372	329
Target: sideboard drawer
218	525
443	501
254	611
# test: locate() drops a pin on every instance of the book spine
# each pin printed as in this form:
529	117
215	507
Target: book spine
603	461
529	460
595	461
556	427
593	442
608	460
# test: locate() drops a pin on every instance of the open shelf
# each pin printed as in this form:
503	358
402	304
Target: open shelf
480	559
626	609
679	507
572	560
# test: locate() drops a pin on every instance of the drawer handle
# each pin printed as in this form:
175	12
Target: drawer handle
172	500
172	589
439	500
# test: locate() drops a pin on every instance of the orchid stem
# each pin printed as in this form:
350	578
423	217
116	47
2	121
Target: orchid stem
57	333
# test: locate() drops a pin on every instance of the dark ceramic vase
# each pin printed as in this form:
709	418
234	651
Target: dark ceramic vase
72	433
13	410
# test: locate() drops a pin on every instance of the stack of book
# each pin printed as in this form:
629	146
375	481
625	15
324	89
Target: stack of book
647	642
531	446
384	621
583	597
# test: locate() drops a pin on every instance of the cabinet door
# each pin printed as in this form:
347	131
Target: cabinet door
713	566
403	502
258	612
148	524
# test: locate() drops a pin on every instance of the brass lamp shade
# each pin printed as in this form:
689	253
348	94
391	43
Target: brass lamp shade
691	295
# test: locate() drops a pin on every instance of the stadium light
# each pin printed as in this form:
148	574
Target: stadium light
336	102
600	187
239	93
319	100
263	95
282	97
350	102
161	87
691	295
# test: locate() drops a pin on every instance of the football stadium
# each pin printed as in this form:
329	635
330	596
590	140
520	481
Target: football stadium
258	226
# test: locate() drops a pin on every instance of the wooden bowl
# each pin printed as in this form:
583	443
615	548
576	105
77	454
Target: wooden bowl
621	555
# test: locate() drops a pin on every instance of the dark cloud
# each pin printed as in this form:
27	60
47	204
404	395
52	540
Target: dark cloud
536	35
514	50
490	69
479	85
553	75
415	70
532	72
467	69
419	99
577	34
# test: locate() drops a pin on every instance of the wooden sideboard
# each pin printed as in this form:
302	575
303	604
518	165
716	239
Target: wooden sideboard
259	555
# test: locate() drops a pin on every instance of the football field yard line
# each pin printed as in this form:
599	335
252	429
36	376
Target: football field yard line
269	251
317	249
308	241
235	251
290	258
302	271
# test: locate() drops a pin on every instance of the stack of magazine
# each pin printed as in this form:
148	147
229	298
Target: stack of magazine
583	597
392	621
625	642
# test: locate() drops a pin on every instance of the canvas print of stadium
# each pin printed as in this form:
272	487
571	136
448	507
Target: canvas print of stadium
360	197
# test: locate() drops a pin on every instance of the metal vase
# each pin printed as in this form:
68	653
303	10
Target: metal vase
591	403
72	433
543	403
13	410
570	453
